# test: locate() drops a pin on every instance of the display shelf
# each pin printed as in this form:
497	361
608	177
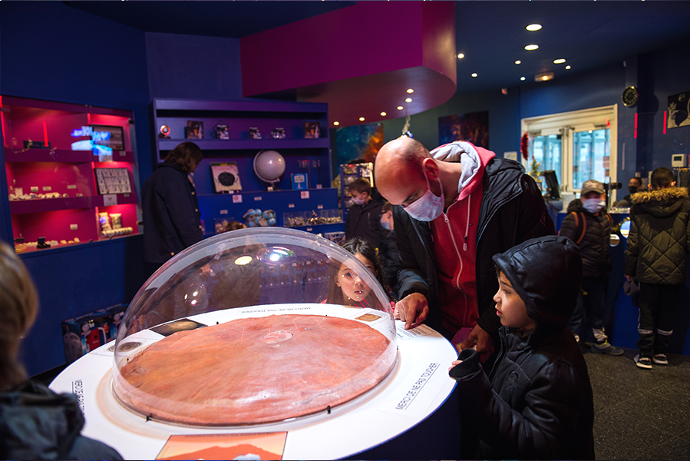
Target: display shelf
309	156
60	169
47	155
254	144
53	204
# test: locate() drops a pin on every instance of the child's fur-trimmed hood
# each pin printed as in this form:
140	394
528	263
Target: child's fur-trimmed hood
670	194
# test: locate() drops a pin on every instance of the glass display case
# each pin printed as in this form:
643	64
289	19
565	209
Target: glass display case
52	152
254	326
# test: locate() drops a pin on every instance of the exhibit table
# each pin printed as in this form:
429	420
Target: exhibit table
417	385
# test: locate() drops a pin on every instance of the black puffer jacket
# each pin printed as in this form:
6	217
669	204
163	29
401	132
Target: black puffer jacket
512	211
537	404
364	221
659	236
36	423
596	241
170	208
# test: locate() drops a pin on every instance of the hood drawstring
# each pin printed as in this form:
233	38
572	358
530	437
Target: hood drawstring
467	225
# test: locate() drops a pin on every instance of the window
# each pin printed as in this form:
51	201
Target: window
577	145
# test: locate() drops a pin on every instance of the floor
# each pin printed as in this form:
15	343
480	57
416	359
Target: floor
640	414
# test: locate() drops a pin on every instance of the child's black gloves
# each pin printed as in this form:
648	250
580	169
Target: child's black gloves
469	364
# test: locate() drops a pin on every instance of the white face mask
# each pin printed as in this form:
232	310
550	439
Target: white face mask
593	205
427	207
360	200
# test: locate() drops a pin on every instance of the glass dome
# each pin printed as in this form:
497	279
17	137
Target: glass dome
254	326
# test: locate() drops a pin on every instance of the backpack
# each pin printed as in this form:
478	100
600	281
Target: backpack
581	224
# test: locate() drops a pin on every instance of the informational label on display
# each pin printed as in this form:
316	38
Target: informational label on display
414	397
236	199
416	332
258	198
304	194
85	388
110	199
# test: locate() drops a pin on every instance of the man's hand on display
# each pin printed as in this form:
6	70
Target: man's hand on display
413	310
478	340
628	278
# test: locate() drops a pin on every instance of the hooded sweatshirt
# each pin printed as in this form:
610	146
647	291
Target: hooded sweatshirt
455	237
537	402
659	236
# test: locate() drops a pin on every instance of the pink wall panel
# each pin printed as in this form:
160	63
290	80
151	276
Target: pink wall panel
362	39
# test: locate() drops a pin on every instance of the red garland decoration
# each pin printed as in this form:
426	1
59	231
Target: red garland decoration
524	146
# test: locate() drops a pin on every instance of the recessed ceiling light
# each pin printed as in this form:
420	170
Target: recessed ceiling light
400	107
336	123
533	27
522	78
474	75
531	47
567	67
361	119
559	61
544	76
410	90
383	114
461	55
408	99
518	62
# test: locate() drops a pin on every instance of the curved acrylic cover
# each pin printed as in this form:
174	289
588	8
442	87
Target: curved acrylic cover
261	317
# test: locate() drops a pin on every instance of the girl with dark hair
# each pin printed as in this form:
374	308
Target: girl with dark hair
172	221
346	287
35	422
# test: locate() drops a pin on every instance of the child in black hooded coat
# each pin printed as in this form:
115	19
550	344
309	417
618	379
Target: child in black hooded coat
537	402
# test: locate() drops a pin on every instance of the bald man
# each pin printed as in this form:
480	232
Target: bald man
456	207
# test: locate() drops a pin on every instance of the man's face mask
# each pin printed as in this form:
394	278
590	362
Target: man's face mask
427	207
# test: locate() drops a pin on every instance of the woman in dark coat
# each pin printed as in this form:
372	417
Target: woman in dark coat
170	208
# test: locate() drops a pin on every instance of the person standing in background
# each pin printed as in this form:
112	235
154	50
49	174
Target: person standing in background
656	252
589	226
170	208
363	217
388	250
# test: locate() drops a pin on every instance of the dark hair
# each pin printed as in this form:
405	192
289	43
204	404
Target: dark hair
386	207
360	185
18	308
185	156
662	178
356	246
639	180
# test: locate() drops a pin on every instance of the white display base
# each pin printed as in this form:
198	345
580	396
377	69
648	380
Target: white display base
417	386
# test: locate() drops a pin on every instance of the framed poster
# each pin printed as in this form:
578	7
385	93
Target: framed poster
226	177
678	110
472	127
112	181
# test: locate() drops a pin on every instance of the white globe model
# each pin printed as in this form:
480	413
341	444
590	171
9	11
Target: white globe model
269	166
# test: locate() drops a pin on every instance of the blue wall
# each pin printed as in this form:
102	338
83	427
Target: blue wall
51	51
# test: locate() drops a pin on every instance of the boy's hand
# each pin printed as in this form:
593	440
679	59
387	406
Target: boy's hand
453	363
478	340
413	310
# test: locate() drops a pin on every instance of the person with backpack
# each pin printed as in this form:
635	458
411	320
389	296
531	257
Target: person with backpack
589	226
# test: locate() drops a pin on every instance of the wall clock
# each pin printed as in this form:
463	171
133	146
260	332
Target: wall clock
629	96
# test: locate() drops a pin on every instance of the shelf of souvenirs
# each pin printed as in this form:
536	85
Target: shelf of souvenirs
38	203
63	155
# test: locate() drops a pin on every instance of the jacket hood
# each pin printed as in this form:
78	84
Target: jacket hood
546	273
575	205
661	202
